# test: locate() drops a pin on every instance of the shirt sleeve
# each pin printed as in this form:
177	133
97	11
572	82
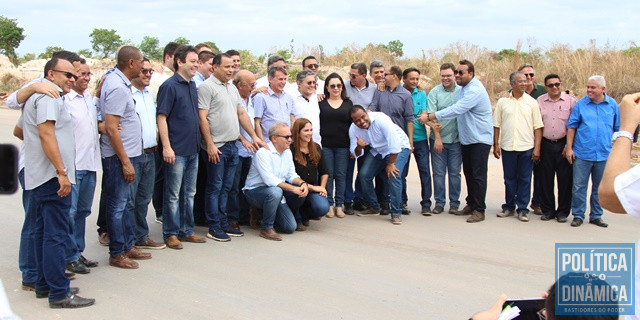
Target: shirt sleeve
259	105
574	118
292	174
12	100
537	116
205	94
115	101
497	114
374	105
353	141
408	108
468	101
166	96
387	127
626	186
262	158
48	109
432	101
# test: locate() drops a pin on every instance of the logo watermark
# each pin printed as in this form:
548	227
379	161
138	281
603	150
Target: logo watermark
595	278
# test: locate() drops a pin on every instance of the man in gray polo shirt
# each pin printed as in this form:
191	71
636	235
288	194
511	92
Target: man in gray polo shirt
220	110
49	157
120	147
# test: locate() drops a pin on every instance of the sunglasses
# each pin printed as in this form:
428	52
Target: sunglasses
313	66
333	86
551	85
353	76
530	74
460	72
286	137
69	75
312	83
146	71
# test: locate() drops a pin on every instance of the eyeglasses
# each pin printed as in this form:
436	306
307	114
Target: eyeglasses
147	71
530	74
459	72
333	86
286	137
69	75
312	83
353	76
551	85
313	66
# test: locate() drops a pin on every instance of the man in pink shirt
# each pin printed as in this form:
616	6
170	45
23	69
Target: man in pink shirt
555	108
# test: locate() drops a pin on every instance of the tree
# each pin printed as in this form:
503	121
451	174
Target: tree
10	37
150	48
181	40
48	52
395	48
85	53
105	41
213	46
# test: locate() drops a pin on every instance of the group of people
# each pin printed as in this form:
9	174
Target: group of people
210	144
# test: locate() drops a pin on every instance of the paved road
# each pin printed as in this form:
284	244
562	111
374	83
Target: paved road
437	267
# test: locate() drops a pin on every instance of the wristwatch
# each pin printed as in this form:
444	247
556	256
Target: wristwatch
619	134
62	172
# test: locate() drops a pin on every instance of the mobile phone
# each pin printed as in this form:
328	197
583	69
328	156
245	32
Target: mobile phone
528	307
8	169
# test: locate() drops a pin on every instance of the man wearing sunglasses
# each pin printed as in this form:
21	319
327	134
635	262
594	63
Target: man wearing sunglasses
49	172
555	108
306	101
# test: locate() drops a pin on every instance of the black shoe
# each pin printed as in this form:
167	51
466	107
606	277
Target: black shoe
599	222
561	219
359	206
44	294
546	217
348	209
72	301
77	267
28	286
384	209
576	222
88	263
405	209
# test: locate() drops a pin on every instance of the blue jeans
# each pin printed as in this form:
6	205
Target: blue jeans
581	171
27	253
51	230
274	212
374	165
220	178
312	206
116	193
449	161
421	154
237	206
517	167
140	195
81	201
179	189
337	160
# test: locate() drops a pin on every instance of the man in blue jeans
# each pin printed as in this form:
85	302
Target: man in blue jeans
388	152
591	125
120	146
221	114
178	119
273	172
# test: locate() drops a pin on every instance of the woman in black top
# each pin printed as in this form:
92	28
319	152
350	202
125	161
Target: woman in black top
307	158
334	130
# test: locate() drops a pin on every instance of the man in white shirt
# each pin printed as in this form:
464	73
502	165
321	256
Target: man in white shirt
306	101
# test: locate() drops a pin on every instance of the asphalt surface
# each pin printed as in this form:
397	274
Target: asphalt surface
437	267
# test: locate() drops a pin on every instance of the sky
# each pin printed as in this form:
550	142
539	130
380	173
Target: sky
265	26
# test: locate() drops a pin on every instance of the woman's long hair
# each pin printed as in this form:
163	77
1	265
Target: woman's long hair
343	94
314	151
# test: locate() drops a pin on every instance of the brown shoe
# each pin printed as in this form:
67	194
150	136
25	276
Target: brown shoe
173	242
136	254
537	210
254	218
270	234
150	244
301	227
465	211
103	239
121	261
193	238
235	226
476	216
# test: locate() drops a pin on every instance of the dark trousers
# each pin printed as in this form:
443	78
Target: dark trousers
536	197
102	215
553	164
158	184
475	158
199	212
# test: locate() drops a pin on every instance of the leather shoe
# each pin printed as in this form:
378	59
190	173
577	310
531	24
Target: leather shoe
72	301
254	218
77	267
173	242
44	294
467	210
270	234
70	275
576	222
103	239
561	219
599	222
88	263
193	238
136	254
122	261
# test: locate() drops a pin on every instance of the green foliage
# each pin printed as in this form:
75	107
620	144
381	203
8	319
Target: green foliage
85	53
150	47
48	52
286	54
26	57
632	51
395	48
181	40
105	41
509	54
213	46
249	61
10	37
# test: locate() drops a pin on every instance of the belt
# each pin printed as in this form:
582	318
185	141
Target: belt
563	139
149	150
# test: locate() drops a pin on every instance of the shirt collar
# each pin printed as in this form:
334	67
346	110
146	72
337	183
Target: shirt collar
73	94
55	85
217	81
145	90
123	77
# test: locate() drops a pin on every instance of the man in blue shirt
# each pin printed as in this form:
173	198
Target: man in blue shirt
475	129
591	125
180	136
